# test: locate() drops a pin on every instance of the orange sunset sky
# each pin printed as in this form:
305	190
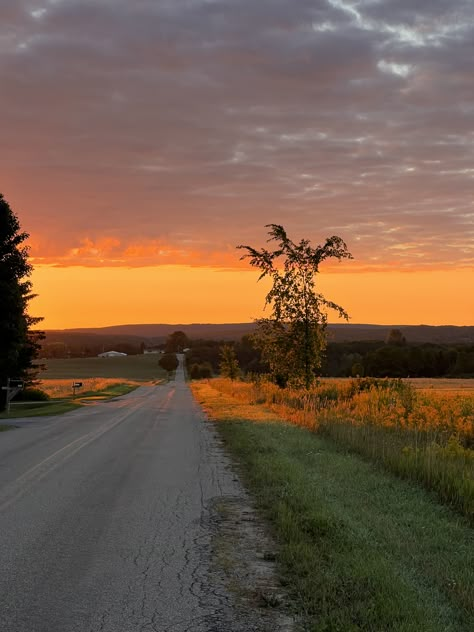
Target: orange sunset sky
142	141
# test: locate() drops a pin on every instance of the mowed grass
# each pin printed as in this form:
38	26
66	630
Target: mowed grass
358	548
32	409
135	367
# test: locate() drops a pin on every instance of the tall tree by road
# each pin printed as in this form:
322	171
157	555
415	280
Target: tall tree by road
293	338
229	365
19	345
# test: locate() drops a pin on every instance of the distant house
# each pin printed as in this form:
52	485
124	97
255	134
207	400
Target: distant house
152	350
111	354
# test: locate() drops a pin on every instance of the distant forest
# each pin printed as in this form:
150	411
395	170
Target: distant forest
346	359
391	356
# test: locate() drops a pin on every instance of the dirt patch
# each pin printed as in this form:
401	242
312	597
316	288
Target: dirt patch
243	560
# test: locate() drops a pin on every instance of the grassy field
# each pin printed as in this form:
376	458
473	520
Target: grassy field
359	549
102	378
91	387
135	367
424	435
454	385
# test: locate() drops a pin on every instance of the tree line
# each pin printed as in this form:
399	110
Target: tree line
344	359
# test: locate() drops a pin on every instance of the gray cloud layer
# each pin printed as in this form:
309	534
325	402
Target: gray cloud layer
185	125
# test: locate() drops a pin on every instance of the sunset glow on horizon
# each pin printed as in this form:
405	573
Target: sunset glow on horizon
142	142
99	297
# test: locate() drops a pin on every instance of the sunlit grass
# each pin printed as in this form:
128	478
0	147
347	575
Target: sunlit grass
358	549
422	435
62	388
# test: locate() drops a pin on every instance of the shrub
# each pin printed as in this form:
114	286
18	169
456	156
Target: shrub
169	362
32	395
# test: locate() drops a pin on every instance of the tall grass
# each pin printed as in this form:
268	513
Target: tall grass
63	388
426	437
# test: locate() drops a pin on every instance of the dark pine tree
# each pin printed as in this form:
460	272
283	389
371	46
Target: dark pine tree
19	344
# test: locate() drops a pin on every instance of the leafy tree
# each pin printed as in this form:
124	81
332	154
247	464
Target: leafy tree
395	337
19	344
200	371
229	365
293	339
169	362
176	342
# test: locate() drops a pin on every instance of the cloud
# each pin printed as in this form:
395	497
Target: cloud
130	130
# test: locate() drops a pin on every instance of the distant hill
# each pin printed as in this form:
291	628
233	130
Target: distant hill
157	333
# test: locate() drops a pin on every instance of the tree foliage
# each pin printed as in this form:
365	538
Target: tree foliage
229	365
169	362
19	344
293	338
176	342
395	337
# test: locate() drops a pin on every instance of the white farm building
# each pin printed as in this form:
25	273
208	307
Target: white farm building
111	354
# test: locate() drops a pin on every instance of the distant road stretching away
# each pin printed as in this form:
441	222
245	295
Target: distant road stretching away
103	518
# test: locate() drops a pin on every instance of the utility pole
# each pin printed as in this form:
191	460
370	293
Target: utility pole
12	388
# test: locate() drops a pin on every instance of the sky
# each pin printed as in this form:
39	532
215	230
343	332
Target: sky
143	140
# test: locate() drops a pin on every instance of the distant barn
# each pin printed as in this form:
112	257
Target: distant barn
111	354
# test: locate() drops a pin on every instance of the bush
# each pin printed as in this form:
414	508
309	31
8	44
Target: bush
32	395
200	371
169	362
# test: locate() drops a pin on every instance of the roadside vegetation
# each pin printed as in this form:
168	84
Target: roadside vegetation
56	397
423	436
31	409
358	548
101	379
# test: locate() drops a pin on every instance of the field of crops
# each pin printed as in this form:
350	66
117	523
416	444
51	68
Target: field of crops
425	434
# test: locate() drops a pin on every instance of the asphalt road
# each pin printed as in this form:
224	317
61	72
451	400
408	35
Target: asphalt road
104	518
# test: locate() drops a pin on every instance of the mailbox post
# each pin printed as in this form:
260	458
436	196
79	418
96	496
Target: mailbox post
74	386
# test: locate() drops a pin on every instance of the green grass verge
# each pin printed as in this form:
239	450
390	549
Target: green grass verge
114	390
32	409
358	548
40	410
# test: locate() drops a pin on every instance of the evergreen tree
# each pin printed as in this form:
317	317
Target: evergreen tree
19	344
